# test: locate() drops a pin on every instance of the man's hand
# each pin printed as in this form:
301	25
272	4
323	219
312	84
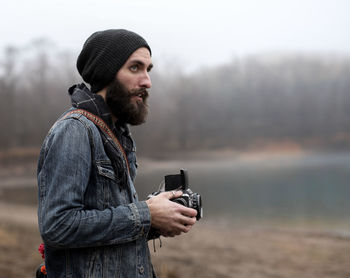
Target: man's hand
168	217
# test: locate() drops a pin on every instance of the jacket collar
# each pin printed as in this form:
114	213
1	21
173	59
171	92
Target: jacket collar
82	98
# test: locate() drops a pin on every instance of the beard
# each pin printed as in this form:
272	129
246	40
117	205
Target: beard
119	101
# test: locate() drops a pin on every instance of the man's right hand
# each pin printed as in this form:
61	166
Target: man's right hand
168	217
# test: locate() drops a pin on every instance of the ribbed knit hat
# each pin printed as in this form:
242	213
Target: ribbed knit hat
104	53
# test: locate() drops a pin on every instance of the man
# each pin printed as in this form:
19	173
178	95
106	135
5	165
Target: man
90	218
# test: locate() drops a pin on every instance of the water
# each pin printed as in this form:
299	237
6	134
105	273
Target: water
309	190
302	190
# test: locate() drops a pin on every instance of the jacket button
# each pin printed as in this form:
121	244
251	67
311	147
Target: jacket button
141	270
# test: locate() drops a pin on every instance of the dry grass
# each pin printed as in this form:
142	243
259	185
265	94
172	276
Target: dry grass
18	155
18	250
211	249
221	250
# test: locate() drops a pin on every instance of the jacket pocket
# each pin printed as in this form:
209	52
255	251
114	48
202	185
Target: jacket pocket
112	189
105	168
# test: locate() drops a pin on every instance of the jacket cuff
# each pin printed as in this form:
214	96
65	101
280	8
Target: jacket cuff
142	217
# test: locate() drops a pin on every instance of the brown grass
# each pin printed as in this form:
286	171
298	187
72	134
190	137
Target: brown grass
211	249
18	250
222	250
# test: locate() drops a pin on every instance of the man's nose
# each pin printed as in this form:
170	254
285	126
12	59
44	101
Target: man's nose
146	81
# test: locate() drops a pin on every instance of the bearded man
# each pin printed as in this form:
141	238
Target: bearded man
90	218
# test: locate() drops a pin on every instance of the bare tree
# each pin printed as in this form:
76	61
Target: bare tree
254	99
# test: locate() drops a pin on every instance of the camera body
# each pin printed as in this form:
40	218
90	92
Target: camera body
188	198
191	200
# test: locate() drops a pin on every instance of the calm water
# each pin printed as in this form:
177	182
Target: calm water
306	190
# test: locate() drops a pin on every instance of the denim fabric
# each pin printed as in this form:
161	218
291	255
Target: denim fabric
89	216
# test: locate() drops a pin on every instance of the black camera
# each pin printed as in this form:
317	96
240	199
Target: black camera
188	198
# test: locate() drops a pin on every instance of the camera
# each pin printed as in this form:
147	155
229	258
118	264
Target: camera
188	198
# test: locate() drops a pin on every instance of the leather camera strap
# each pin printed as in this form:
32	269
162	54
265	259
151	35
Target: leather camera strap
103	127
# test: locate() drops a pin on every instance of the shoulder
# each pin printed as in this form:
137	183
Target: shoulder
73	123
73	128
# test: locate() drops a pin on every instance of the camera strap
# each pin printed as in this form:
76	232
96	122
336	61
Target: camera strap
154	244
104	128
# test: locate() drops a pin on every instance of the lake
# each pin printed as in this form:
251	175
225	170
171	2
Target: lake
302	190
309	190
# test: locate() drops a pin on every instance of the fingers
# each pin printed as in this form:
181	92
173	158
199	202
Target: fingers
172	194
186	224
170	218
184	210
176	231
181	225
187	221
188	212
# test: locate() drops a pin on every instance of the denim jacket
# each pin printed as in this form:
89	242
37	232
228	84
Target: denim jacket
90	223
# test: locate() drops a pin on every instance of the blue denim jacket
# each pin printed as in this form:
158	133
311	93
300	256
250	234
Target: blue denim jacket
90	223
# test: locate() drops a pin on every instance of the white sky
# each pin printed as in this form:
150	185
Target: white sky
189	33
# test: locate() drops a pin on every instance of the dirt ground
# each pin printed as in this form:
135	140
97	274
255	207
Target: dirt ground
211	249
220	250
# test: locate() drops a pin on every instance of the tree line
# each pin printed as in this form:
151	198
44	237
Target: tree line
262	98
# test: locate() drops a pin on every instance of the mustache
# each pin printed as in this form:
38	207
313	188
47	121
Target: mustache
143	93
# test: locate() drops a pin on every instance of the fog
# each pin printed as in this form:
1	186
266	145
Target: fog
190	34
298	100
252	97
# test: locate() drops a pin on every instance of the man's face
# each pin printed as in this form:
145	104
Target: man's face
127	95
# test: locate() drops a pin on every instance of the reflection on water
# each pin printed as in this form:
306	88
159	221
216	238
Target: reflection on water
305	190
301	190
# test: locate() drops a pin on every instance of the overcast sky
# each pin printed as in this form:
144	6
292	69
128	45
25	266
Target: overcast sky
192	33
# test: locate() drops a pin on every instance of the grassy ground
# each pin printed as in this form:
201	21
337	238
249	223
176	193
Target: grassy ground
18	250
219	250
211	249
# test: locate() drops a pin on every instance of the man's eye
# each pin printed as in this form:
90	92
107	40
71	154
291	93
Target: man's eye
134	68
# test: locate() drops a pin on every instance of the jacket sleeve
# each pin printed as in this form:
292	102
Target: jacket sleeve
63	175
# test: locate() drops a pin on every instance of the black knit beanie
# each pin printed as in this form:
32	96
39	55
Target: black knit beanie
104	53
